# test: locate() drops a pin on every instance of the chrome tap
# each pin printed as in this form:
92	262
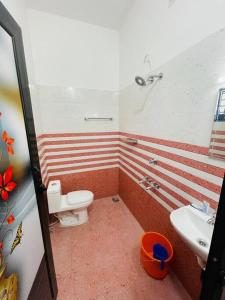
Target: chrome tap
155	185
149	181
144	179
212	220
149	188
153	162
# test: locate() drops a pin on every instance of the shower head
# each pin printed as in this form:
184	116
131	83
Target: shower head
140	80
149	79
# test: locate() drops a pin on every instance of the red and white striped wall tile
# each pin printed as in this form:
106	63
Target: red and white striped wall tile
184	171
62	154
181	168
217	143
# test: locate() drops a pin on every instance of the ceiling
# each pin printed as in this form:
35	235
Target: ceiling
106	13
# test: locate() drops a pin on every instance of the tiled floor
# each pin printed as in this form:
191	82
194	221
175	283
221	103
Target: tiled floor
100	260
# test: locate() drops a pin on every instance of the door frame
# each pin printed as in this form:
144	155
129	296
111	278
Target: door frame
8	23
213	278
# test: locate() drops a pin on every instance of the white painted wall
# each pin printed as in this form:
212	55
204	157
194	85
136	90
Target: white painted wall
67	52
105	13
152	27
185	44
181	106
76	71
63	109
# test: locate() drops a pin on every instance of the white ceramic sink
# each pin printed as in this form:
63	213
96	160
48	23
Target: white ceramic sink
191	224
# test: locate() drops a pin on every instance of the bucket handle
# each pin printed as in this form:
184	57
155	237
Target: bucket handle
162	262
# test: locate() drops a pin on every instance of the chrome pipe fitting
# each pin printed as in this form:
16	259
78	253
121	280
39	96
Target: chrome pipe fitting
153	162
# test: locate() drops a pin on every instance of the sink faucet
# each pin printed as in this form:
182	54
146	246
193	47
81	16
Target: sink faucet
212	220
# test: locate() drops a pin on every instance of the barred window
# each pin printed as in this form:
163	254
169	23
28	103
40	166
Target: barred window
220	110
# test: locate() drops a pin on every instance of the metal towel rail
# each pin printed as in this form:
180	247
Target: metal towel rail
97	118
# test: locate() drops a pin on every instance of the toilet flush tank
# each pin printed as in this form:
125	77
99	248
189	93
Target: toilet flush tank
54	196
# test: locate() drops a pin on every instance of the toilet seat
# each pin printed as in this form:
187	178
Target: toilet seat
79	197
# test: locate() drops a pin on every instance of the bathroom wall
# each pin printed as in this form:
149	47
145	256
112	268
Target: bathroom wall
173	118
77	76
81	161
67	52
164	29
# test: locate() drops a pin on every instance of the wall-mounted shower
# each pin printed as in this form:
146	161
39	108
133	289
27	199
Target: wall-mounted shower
149	79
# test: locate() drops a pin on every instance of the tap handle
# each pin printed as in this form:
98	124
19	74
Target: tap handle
144	179
156	185
214	213
153	161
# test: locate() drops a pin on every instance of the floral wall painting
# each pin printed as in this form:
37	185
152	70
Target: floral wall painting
20	232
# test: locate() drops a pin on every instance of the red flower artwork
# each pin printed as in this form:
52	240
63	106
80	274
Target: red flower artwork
9	142
6	183
10	219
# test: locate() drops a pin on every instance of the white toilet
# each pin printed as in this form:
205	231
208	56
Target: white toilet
71	209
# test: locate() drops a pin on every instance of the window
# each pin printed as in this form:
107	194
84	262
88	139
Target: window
220	110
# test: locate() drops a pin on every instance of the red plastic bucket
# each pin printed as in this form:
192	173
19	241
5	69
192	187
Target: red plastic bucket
149	263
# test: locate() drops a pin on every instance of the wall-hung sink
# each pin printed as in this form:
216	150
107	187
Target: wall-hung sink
191	224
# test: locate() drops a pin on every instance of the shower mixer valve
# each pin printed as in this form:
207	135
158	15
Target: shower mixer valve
145	179
153	162
156	185
152	184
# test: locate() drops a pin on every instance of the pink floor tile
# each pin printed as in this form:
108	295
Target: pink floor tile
100	260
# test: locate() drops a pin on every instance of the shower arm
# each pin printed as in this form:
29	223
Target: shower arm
143	81
159	76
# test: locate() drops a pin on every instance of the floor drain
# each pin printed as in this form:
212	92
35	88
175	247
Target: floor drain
202	243
114	199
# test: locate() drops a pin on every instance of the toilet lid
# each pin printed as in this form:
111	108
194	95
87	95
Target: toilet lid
79	197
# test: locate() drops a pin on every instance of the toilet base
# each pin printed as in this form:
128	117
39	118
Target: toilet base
73	218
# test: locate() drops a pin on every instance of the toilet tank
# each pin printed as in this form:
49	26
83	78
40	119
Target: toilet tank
54	196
